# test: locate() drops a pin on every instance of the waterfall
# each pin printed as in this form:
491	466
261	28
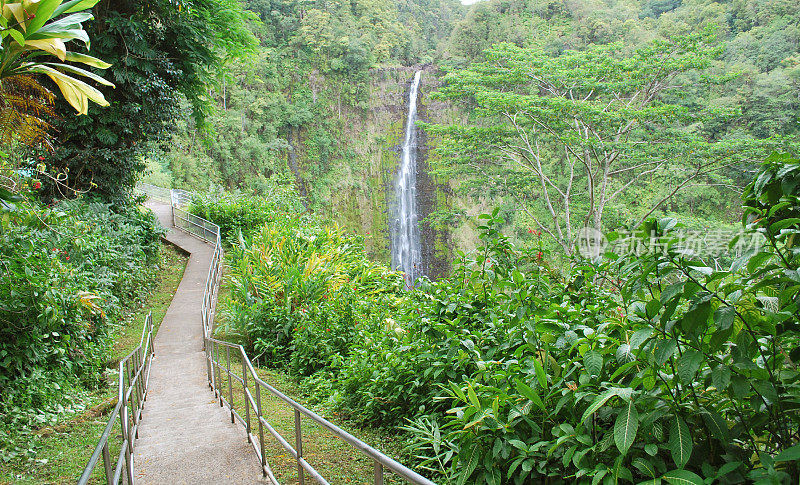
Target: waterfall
406	247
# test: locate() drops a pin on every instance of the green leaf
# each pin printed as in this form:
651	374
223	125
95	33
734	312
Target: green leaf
651	449
473	398
598	477
81	72
739	386
88	60
593	361
43	14
688	364
652	308
671	291
664	350
724	317
645	467
717	425
680	442
789	454
696	317
727	468
625	428
624	393
75	6
468	464
17	35
540	375
640	336
757	261
682	477
528	392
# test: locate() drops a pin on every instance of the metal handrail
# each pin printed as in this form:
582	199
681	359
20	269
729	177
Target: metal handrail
154	192
181	198
134	377
220	363
251	383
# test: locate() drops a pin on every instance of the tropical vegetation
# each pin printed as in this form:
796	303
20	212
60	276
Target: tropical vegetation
69	273
650	364
609	191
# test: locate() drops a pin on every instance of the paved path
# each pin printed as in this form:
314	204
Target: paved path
185	437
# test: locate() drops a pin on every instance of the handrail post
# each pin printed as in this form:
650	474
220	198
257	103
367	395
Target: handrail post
260	426
230	383
206	350
213	371
244	391
124	424
135	394
378	473
107	465
150	335
298	439
217	385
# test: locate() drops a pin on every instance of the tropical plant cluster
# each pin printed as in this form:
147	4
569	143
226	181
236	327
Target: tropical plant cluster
68	272
235	213
646	366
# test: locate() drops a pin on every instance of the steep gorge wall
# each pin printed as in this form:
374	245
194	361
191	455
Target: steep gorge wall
358	190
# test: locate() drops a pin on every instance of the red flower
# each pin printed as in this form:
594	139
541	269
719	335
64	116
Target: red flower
67	258
539	256
530	231
41	158
37	185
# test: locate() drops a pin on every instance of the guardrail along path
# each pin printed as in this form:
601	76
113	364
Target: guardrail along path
184	435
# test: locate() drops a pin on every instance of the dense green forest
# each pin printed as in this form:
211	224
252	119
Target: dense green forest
608	197
311	108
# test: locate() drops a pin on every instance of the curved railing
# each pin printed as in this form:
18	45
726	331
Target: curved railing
155	192
222	375
221	378
134	374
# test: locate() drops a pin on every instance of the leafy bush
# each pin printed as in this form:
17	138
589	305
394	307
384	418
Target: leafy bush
67	272
651	365
236	212
292	279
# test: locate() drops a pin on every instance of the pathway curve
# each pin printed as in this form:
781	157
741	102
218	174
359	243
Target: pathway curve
185	437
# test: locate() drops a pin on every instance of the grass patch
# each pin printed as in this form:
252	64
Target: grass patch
60	451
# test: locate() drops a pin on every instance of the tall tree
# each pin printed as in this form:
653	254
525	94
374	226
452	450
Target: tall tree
568	135
160	51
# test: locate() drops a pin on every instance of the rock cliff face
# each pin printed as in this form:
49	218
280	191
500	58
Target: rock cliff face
358	192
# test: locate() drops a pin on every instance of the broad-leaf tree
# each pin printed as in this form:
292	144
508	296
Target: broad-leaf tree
167	56
569	135
33	30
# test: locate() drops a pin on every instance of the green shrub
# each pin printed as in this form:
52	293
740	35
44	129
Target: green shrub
292	280
645	367
238	212
651	365
67	272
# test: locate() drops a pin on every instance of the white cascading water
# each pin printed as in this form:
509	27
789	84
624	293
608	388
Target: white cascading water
406	247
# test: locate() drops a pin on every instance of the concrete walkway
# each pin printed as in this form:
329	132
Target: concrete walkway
185	437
